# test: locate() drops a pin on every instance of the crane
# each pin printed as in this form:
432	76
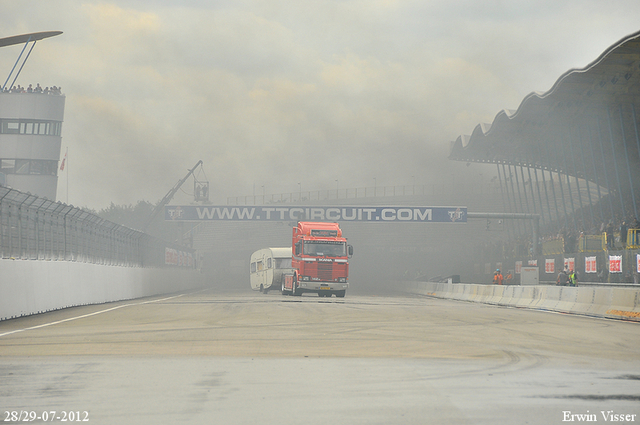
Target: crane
167	198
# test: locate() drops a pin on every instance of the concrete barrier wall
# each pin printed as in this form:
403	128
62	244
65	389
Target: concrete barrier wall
611	302
30	287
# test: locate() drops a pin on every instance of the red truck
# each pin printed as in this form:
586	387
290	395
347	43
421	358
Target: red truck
320	260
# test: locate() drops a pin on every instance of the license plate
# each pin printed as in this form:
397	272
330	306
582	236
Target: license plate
325	287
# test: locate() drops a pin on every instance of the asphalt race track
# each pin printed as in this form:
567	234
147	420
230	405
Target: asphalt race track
247	358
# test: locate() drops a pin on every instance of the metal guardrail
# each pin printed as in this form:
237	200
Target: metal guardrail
633	239
34	228
590	243
632	242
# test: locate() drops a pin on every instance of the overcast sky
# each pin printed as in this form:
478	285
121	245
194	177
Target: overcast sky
290	94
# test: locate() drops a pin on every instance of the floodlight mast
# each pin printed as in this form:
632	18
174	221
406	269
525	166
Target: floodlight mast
167	198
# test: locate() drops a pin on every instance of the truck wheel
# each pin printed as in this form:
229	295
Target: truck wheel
284	291
340	294
295	291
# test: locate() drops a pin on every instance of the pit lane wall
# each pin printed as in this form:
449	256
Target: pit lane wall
31	287
54	255
606	302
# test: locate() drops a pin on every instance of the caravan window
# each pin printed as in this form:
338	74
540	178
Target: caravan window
253	267
260	265
268	263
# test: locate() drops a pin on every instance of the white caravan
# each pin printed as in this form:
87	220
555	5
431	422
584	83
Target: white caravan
267	267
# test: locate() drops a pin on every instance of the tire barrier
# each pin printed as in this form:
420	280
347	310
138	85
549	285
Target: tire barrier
605	302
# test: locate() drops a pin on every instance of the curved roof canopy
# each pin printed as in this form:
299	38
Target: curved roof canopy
586	125
24	38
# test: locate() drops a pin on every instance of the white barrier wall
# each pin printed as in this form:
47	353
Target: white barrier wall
29	287
612	302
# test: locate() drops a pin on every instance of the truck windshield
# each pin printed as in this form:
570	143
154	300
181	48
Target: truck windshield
322	248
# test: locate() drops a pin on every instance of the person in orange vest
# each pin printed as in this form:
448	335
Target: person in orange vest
497	278
509	278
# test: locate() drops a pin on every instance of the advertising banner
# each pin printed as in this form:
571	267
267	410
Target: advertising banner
590	265
518	267
549	265
615	264
382	214
173	257
638	262
570	263
533	263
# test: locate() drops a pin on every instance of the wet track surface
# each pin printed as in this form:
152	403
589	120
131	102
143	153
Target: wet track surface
247	358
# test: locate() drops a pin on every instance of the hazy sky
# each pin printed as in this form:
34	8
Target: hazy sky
276	93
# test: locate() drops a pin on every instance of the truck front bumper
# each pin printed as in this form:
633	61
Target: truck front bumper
323	286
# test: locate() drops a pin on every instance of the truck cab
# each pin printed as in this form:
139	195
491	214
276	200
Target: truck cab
320	260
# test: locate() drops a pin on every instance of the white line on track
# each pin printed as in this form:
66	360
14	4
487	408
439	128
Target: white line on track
88	315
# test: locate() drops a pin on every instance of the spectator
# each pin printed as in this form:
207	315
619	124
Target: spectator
497	278
609	233
563	278
623	234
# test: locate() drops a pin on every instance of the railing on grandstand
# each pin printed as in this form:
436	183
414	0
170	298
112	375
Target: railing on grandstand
592	243
33	228
632	242
633	239
552	247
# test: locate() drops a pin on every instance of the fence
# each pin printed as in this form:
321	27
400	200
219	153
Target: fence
33	228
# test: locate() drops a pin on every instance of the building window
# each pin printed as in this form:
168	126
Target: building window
44	128
28	166
8	166
10	127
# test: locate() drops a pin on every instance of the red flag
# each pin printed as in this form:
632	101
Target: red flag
63	161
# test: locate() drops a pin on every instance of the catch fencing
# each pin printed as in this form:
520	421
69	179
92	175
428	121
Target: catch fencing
34	228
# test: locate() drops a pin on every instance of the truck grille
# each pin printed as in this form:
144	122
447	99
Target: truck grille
325	271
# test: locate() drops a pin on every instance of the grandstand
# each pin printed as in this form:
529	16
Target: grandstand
572	155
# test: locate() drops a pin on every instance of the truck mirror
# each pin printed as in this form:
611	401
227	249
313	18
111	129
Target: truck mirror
350	250
297	248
